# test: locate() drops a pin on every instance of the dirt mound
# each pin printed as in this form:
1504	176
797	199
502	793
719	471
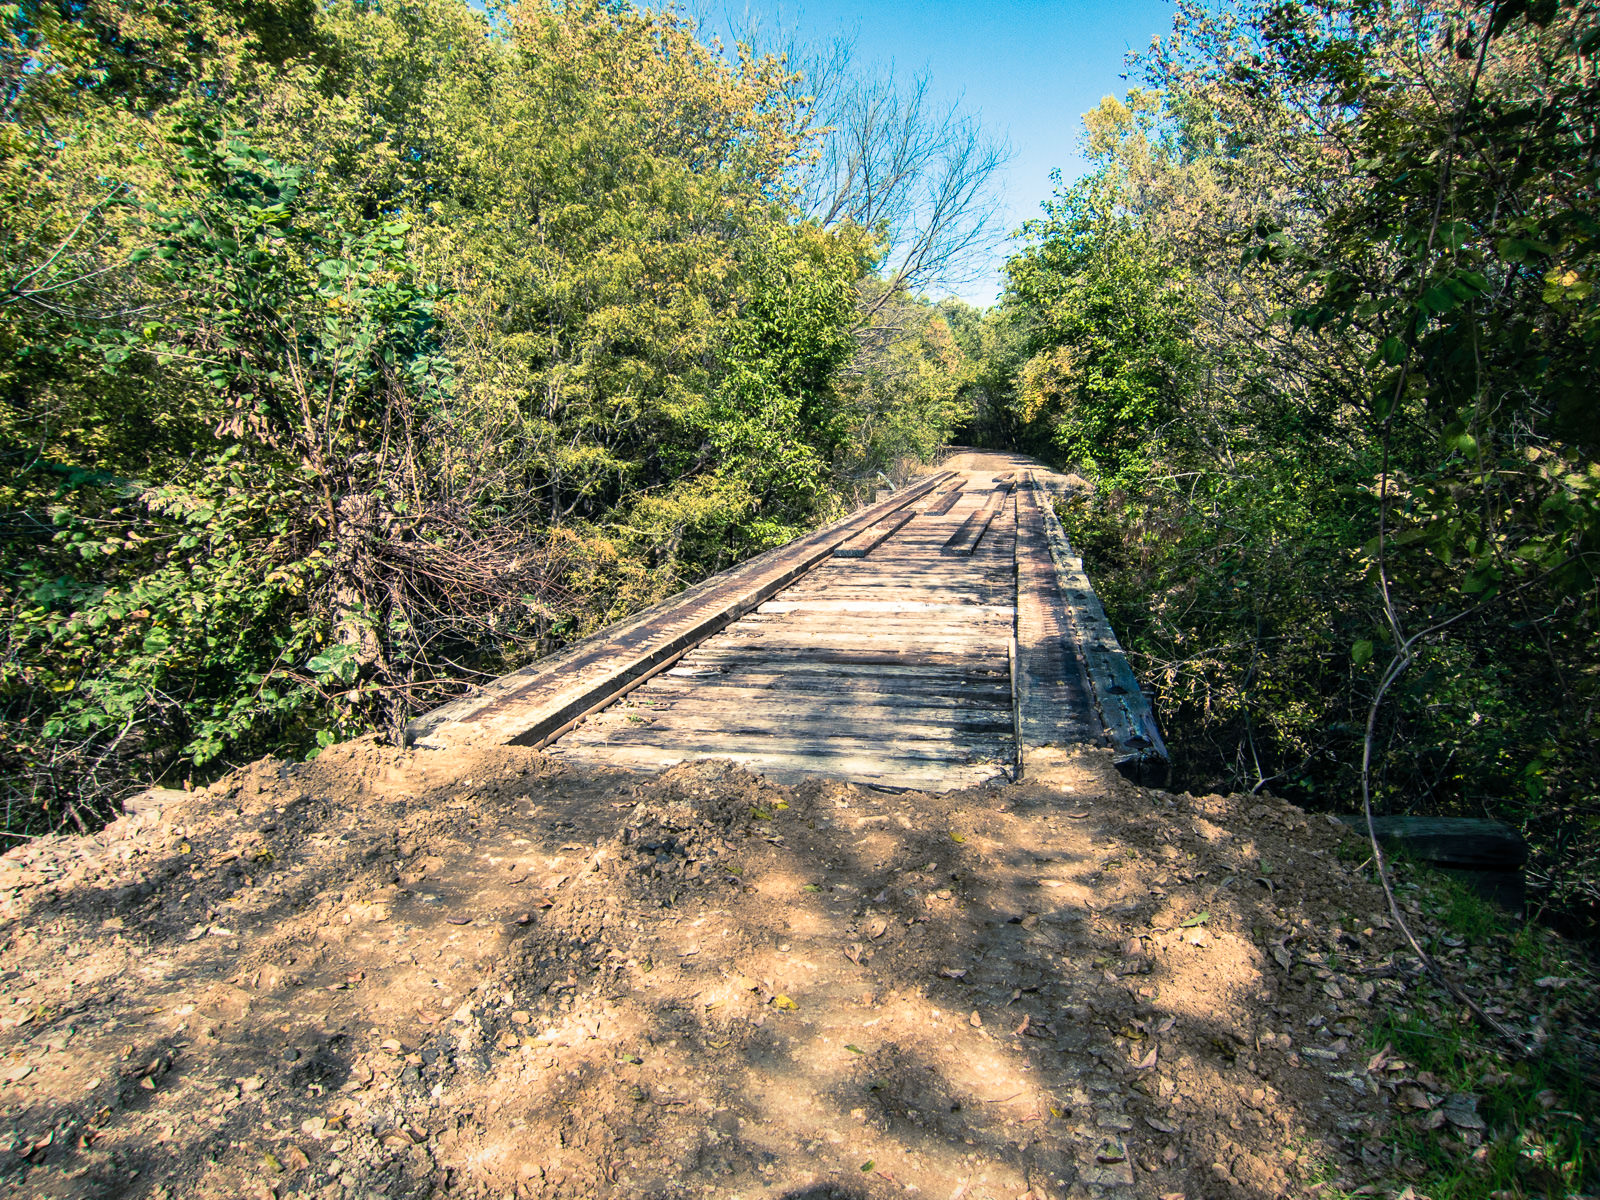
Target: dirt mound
483	974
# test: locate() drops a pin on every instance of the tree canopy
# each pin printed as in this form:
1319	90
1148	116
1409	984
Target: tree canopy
1321	326
352	351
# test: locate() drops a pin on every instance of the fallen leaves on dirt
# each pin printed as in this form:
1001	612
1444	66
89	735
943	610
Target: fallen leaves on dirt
484	974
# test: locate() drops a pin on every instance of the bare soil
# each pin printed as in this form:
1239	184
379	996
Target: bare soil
483	973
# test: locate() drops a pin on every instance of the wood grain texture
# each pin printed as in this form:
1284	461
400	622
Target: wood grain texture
890	665
924	644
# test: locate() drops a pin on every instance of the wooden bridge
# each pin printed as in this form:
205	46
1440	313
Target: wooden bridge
931	640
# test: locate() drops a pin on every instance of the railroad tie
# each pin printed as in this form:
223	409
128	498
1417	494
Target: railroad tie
965	539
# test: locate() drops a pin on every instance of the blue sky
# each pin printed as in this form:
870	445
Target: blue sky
1032	69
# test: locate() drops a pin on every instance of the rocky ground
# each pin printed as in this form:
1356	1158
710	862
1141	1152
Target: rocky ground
484	974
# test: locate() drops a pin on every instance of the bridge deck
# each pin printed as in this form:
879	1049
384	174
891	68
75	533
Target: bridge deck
892	668
911	646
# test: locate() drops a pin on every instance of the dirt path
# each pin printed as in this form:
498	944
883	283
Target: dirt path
387	974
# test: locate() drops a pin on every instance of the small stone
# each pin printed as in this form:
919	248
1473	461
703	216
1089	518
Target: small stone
975	1020
1108	1175
1111	1150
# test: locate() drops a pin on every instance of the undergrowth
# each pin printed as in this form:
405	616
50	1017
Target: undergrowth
1473	1120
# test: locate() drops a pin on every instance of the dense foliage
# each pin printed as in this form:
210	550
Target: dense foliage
1322	327
346	350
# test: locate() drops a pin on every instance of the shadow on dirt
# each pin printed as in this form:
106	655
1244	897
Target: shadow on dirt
386	975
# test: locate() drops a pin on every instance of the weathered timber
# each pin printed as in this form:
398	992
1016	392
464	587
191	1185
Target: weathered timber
960	705
528	706
940	749
1053	706
870	538
1124	712
874	654
1471	843
878	608
882	724
785	668
871	667
885	657
1486	856
965	539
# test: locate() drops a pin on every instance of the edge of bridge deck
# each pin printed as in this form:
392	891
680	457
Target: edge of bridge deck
1064	657
538	703
1125	714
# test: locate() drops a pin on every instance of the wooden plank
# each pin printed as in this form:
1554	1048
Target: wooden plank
750	665
875	607
951	622
822	693
1124	713
966	705
994	582
1470	843
869	539
818	691
781	720
527	706
965	539
844	656
944	503
952	750
779	640
1052	701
